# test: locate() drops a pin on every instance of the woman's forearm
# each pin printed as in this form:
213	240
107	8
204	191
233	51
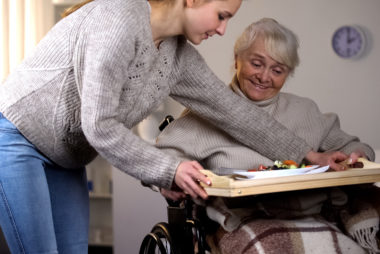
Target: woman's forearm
260	131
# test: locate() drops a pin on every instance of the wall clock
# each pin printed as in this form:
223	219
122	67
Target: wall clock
348	42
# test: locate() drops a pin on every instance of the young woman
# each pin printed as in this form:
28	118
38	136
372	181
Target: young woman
96	74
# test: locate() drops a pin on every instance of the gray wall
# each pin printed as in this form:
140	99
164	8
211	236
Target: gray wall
349	88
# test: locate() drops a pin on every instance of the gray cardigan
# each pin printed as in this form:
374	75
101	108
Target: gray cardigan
97	73
192	138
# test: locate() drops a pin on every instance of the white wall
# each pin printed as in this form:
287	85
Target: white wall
349	88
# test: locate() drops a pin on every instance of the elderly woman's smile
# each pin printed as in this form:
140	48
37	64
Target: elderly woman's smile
259	86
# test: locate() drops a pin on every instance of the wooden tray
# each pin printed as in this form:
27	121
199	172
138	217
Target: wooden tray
227	186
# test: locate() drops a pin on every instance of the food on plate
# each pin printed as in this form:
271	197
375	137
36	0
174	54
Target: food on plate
357	164
285	164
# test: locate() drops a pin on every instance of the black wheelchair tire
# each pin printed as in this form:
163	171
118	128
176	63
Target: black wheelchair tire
159	239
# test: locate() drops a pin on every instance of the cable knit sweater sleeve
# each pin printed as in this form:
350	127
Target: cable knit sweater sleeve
337	140
103	68
202	92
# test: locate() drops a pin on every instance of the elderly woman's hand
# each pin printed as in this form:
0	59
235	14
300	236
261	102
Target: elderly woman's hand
328	158
174	195
188	178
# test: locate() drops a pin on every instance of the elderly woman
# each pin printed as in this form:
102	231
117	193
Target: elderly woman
265	56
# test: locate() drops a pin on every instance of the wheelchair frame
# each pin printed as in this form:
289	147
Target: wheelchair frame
182	234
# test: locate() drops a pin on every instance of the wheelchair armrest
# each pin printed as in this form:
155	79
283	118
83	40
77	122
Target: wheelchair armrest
168	119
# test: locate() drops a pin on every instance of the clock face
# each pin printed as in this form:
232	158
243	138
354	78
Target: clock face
348	41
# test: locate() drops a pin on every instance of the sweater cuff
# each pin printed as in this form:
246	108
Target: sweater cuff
303	151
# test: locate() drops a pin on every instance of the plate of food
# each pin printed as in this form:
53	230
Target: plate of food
280	168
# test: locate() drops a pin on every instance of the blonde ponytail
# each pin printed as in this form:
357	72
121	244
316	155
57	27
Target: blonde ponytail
73	8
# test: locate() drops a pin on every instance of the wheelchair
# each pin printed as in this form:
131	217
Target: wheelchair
184	233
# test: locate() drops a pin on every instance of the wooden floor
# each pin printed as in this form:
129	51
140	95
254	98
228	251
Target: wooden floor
3	245
99	250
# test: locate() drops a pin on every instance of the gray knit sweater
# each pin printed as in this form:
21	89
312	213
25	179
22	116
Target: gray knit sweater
192	138
97	74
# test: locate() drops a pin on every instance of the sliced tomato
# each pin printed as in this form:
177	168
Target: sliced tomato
290	162
262	167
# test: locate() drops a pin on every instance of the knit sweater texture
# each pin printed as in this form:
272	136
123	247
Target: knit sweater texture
190	137
97	73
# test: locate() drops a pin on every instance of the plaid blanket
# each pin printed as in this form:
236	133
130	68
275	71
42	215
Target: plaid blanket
361	218
299	236
314	221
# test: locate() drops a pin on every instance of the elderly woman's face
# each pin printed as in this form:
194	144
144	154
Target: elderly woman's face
260	77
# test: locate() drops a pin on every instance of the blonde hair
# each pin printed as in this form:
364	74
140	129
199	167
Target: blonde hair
75	7
280	42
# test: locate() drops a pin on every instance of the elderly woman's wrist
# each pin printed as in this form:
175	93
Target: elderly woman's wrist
311	156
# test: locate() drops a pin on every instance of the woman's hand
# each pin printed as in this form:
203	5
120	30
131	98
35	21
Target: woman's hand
174	195
354	156
188	178
329	158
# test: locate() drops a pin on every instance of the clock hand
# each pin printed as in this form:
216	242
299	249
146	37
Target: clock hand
351	40
351	36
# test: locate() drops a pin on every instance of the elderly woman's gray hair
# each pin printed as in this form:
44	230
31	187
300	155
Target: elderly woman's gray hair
280	42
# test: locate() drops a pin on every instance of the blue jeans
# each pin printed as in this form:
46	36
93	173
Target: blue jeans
44	208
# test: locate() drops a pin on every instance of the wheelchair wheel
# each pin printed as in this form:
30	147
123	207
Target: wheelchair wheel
158	241
199	237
